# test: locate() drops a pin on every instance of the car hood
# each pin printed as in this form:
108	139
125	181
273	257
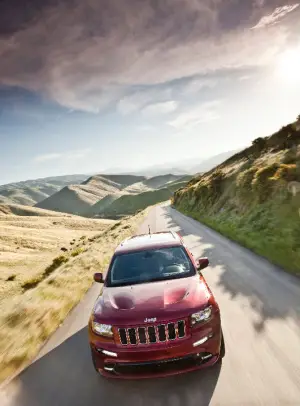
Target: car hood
162	300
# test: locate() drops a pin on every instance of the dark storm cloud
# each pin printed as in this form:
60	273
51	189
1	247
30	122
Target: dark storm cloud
88	54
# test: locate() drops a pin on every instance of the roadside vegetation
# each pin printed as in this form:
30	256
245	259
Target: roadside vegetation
37	295
254	197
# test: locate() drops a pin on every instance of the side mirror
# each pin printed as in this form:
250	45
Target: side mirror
98	277
202	263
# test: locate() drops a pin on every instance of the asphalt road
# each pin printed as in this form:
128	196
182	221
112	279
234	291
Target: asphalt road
260	308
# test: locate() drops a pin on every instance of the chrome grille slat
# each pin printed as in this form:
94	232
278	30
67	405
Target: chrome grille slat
137	336
143	335
167	332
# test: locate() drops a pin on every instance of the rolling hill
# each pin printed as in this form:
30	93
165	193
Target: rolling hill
78	199
31	192
100	195
254	197
130	204
116	207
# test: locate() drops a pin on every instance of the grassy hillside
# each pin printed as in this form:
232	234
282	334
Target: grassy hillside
27	244
78	199
102	205
99	194
40	283
130	204
254	197
158	182
33	191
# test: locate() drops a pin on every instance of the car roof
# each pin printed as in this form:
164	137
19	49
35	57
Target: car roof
148	241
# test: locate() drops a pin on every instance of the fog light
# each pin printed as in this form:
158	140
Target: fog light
110	369
206	356
109	353
202	341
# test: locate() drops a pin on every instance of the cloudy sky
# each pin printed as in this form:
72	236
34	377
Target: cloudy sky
89	85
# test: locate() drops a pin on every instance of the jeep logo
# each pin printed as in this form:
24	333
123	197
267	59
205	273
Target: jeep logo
153	320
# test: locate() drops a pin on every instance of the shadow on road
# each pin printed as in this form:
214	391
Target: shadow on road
272	293
65	376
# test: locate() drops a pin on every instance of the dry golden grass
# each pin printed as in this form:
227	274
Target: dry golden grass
28	245
29	315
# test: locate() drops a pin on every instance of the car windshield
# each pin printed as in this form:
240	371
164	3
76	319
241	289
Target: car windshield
149	266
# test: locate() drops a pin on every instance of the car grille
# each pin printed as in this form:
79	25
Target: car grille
152	334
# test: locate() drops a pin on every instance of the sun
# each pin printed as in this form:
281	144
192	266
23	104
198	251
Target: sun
288	65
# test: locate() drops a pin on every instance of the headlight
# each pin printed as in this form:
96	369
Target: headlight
102	329
201	316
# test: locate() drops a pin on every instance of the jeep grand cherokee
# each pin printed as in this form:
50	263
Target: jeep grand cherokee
155	315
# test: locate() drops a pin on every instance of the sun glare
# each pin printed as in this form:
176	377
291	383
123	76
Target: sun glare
289	65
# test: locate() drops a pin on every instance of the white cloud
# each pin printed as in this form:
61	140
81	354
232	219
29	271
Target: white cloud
276	16
202	113
75	154
160	108
139	100
100	50
195	85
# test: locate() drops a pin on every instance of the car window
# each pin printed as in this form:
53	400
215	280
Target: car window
150	265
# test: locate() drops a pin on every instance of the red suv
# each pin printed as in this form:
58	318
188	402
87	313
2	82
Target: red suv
155	315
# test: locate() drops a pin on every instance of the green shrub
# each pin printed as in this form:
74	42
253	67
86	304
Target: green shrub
290	156
263	182
61	259
33	282
286	172
259	145
77	252
216	182
244	180
202	193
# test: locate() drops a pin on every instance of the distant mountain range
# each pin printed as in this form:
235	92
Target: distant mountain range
30	192
107	194
99	195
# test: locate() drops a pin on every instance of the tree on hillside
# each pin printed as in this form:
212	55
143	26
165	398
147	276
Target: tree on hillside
259	144
298	118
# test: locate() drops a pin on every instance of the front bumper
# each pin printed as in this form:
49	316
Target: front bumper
160	359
